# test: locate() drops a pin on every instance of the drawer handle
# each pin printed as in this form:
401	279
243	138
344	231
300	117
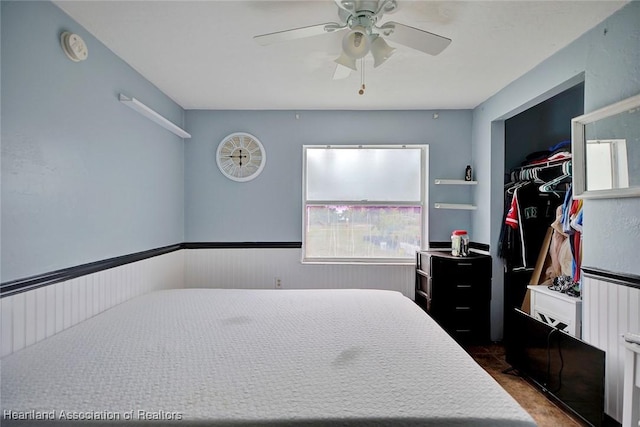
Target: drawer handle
463	286
463	308
463	330
466	264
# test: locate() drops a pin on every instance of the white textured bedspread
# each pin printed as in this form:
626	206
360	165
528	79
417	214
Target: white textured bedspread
255	357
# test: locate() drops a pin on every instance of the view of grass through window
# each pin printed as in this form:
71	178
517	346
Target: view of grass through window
363	231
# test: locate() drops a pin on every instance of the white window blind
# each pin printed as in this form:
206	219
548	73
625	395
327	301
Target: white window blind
380	174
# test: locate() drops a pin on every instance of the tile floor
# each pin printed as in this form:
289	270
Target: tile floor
544	411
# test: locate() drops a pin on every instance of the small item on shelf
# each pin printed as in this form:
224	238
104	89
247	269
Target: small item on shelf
459	243
467	173
566	285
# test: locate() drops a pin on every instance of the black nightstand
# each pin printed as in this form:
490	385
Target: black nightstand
456	292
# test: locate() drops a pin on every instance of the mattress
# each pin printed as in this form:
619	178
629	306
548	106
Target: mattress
254	357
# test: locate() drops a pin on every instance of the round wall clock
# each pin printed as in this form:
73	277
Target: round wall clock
241	157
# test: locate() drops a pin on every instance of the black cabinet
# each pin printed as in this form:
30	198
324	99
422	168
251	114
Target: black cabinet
562	366
456	292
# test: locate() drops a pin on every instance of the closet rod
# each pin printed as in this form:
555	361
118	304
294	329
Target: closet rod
550	163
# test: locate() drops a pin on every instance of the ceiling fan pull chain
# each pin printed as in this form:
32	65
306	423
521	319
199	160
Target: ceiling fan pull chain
362	87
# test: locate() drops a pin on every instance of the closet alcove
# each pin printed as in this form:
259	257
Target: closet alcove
534	130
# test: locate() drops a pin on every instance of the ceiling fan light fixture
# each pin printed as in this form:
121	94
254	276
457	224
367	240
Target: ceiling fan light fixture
356	43
346	61
362	34
380	50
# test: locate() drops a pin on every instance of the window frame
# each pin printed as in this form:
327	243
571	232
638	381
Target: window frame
423	204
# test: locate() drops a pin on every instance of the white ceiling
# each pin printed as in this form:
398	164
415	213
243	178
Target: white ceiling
202	55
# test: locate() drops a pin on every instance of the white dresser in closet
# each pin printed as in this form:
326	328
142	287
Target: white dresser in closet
556	309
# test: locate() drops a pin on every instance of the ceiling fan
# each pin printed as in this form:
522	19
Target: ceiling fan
359	19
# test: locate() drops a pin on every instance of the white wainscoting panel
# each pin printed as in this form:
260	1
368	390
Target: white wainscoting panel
609	311
258	268
32	316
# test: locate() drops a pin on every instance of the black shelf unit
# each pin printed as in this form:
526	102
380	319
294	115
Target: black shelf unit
456	293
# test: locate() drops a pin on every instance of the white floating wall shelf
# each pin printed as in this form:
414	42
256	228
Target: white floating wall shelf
138	106
455	206
454	182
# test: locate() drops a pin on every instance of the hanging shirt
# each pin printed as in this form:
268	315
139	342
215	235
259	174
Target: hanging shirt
576	225
536	211
566	214
510	246
512	215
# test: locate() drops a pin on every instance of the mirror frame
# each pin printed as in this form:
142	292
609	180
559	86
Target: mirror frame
579	149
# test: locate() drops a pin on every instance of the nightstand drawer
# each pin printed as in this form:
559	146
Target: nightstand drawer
462	269
463	317
468	292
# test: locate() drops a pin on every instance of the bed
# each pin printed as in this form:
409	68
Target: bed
254	357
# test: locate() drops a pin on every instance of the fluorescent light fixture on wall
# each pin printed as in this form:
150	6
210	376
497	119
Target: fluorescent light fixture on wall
138	106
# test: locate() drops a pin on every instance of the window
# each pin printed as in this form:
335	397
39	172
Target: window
607	164
364	203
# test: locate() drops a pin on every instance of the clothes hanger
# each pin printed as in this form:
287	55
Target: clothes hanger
550	187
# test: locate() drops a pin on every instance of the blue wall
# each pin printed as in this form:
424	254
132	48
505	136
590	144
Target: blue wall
269	208
609	63
84	178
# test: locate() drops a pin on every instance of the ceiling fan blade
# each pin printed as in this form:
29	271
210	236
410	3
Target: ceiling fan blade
297	33
414	38
341	72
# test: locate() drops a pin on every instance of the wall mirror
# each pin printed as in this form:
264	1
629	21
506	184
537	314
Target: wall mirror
606	151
